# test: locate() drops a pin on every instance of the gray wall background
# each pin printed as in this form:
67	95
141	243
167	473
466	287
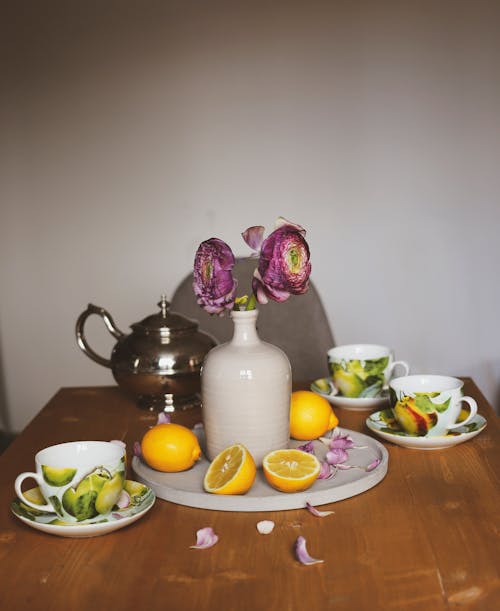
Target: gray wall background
132	131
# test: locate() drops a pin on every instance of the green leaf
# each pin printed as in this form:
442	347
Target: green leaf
393	398
442	407
55	476
376	367
56	504
84	506
424	404
372	391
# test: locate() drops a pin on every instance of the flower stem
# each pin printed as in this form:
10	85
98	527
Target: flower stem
252	302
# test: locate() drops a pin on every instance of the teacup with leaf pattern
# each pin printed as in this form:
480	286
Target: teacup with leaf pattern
362	370
430	405
80	480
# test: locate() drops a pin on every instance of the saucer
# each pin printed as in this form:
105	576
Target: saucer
354	404
142	499
384	426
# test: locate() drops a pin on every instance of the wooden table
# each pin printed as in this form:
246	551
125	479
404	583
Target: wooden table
427	537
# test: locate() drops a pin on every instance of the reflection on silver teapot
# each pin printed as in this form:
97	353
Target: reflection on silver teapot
159	362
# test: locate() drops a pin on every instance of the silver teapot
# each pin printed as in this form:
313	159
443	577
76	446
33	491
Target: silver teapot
159	362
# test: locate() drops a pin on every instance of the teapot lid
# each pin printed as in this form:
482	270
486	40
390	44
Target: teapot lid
165	322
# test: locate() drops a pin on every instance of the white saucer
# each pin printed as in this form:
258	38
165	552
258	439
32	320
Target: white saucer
390	432
357	404
141	503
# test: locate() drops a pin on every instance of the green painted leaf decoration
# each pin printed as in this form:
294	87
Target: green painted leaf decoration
372	391
366	369
24	510
58	476
56	504
376	367
84	506
393	398
424	404
442	407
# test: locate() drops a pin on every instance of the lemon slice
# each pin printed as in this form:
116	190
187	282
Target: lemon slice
232	471
291	470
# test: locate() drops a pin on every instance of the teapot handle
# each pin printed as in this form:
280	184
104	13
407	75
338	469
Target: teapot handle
80	337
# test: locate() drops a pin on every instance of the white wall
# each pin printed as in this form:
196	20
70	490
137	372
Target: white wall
129	135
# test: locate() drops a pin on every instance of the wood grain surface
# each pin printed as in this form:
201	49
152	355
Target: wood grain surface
427	537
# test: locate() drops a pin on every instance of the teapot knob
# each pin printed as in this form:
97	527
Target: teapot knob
163	304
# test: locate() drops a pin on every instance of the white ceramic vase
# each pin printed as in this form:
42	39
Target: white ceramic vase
246	386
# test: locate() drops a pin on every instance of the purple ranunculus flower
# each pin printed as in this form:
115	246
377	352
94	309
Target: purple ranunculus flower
214	285
284	266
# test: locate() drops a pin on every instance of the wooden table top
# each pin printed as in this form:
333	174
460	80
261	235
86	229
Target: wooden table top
426	537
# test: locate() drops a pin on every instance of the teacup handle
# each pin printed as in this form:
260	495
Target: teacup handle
17	485
403	364
473	411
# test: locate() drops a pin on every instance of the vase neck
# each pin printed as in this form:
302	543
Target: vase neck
245	330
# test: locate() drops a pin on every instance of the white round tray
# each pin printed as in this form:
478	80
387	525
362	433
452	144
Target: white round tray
186	488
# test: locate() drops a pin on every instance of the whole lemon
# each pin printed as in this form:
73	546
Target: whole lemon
170	447
310	415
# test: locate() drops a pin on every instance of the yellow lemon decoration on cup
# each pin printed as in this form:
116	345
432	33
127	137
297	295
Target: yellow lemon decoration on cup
291	470
170	447
232	471
310	415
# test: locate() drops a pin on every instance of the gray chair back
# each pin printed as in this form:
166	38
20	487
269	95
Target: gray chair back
299	326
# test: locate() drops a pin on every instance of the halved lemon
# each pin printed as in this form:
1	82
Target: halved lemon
232	471
291	470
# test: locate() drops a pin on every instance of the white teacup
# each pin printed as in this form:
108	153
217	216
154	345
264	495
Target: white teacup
362	370
79	479
429	405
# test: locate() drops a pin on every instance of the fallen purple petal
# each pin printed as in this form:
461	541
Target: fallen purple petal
316	512
341	442
302	554
137	449
205	538
336	456
342	467
163	418
326	471
373	465
123	500
307	447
